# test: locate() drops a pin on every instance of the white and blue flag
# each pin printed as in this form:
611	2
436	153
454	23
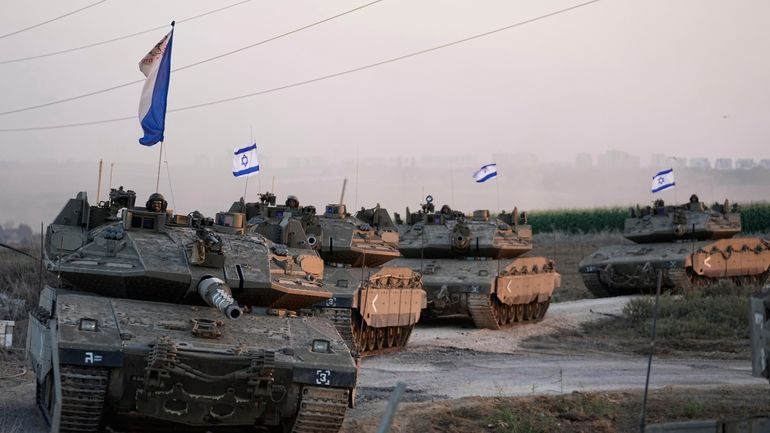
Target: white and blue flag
156	66
663	180
245	161
485	173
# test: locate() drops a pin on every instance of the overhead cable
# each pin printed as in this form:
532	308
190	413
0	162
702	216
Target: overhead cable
52	19
119	38
109	89
314	80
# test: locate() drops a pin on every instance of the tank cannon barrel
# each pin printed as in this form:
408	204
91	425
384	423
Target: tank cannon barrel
217	294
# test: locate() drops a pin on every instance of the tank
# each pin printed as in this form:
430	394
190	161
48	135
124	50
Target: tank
374	307
691	244
182	320
470	265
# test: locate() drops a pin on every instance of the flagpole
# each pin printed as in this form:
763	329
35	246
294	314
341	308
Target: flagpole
497	184
245	188
160	158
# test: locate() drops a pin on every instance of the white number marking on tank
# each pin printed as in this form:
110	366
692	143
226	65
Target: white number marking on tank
373	301
706	262
323	377
91	358
331	301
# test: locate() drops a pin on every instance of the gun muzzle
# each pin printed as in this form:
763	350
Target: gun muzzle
217	294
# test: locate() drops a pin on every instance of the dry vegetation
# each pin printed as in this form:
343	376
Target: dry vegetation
606	412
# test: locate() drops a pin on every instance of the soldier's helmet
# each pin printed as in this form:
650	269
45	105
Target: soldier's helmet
292	201
156	197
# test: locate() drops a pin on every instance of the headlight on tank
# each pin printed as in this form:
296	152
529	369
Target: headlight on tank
320	346
88	325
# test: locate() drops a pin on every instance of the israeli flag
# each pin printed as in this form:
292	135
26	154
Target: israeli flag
156	66
485	173
245	161
663	180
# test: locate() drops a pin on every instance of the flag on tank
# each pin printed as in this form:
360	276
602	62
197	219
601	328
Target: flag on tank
156	66
245	161
485	173
663	180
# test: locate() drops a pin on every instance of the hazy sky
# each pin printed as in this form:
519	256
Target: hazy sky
679	77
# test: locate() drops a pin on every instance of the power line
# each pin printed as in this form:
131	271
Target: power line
51	20
324	77
96	92
119	38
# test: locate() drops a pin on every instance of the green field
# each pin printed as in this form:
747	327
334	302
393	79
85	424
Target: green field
755	218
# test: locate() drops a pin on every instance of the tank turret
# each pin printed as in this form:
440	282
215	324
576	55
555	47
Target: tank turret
692	244
690	221
450	233
470	267
144	325
374	308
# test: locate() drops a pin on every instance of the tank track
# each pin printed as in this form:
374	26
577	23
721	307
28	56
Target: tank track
594	285
321	410
364	340
488	312
84	392
681	280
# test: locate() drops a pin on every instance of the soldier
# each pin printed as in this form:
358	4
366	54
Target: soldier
292	202
156	203
446	210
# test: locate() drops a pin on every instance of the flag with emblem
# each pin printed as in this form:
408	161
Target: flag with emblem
245	161
485	173
663	180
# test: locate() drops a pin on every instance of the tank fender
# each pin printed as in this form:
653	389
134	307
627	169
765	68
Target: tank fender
525	280
731	257
393	297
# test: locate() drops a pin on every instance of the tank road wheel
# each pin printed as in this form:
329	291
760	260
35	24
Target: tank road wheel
531	311
405	332
508	314
543	308
392	332
518	312
594	285
371	338
380	337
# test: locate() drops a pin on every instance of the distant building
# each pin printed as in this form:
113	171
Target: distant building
617	159
745	164
764	163
659	160
699	162
584	160
723	164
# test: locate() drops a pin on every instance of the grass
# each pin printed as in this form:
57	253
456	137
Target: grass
604	412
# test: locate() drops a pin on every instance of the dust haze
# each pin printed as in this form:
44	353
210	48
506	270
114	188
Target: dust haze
652	80
394	183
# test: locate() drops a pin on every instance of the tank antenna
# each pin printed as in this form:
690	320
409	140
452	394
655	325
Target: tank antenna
41	255
99	181
160	159
355	204
112	164
342	195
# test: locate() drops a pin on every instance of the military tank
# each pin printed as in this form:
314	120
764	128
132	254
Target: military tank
471	266
182	319
373	307
692	244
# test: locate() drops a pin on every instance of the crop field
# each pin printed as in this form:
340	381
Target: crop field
755	218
